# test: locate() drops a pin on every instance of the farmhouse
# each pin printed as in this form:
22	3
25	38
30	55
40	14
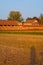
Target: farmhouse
31	21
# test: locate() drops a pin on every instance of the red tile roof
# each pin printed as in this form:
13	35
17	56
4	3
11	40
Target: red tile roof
8	22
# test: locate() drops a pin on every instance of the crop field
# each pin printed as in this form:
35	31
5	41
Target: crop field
15	49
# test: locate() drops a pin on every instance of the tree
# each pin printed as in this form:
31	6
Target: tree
15	15
28	18
35	18
41	19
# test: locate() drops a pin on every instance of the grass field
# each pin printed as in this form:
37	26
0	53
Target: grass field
15	49
33	32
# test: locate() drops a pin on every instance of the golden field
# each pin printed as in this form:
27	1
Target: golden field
15	49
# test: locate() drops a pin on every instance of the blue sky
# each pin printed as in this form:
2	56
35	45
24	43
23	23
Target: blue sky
28	8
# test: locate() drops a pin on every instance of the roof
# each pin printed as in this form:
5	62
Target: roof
31	21
8	22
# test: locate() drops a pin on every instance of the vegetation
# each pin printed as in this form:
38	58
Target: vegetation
15	15
21	47
32	18
22	32
33	56
41	19
16	49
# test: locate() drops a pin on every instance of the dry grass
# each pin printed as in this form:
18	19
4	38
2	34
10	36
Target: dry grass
15	49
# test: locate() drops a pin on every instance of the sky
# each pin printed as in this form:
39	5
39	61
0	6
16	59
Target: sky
28	8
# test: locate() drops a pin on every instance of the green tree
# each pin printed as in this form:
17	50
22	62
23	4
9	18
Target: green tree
15	15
